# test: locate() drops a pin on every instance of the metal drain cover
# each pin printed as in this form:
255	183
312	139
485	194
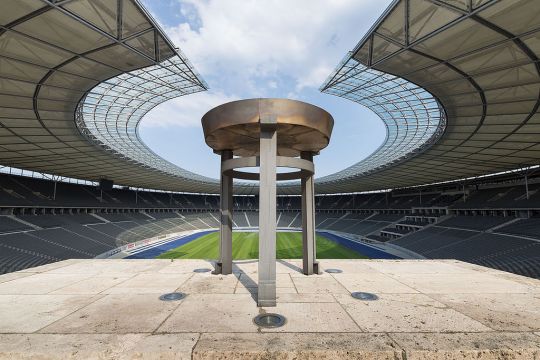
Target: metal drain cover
172	296
269	320
364	296
333	271
202	270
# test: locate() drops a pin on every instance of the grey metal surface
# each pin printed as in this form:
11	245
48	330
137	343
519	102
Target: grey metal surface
174	296
309	248
270	320
266	295
226	216
236	126
202	270
334	271
365	296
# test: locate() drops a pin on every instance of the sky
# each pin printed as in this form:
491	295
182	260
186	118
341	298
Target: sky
262	48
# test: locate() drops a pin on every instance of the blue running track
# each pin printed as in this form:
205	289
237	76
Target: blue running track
160	249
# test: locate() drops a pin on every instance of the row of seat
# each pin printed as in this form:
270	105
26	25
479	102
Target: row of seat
520	255
463	238
24	191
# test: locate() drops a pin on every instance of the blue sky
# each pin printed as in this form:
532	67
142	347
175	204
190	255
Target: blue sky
255	48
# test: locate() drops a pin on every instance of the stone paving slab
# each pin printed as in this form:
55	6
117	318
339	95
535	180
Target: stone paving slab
296	346
149	283
109	267
13	276
510	312
318	284
374	283
110	309
97	346
51	266
185	266
117	314
407	312
30	313
213	313
92	285
40	283
210	284
478	284
484	346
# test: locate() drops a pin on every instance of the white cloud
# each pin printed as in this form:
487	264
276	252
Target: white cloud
249	42
184	111
253	48
265	48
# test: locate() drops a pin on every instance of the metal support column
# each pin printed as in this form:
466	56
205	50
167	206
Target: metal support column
527	186
309	263
224	265
267	214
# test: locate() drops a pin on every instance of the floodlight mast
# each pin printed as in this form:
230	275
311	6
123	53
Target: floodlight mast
267	133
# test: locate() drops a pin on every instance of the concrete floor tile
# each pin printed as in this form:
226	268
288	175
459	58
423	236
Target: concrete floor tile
149	283
40	283
115	267
241	346
251	280
406	313
246	266
97	346
210	284
305	298
374	283
119	326
347	266
317	284
92	285
466	284
164	347
417	267
286	290
288	266
253	290
323	274
117	313
313	317
509	312
213	313
52	266
186	266
485	346
12	276
29	313
283	266
469	266
532	284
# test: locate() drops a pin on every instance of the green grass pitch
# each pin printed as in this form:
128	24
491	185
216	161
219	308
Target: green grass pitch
246	246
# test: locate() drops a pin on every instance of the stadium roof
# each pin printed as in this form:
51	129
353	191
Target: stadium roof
76	77
478	59
456	83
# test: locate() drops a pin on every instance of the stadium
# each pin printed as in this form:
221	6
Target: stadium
429	247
